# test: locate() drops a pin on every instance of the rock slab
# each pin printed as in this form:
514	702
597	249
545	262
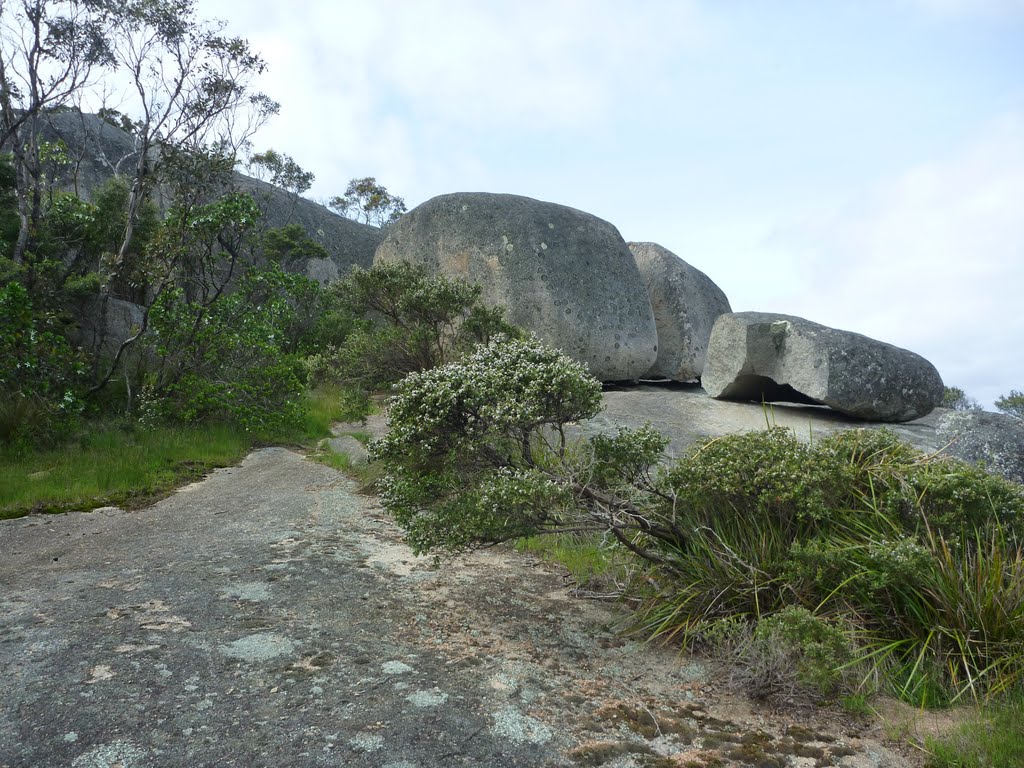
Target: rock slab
271	616
686	303
564	274
994	439
760	356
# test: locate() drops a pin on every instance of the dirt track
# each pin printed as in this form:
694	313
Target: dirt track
269	616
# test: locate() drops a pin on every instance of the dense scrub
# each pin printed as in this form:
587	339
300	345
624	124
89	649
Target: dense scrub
855	557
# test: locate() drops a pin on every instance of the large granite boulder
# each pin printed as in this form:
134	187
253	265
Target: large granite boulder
346	243
760	356
686	303
563	274
994	439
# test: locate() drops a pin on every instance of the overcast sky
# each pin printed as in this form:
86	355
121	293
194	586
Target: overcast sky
859	163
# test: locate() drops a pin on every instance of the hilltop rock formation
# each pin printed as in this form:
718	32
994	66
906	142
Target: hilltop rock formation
994	439
686	303
755	356
98	150
348	243
564	274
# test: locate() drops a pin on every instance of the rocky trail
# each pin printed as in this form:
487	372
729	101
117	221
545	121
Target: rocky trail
271	616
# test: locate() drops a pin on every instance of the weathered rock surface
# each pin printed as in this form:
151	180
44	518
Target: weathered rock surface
105	323
563	274
756	355
686	303
994	439
686	415
270	616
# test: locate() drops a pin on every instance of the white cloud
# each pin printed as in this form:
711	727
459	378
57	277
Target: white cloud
932	260
387	87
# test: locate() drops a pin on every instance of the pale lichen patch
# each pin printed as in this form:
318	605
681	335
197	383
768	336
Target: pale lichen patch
99	673
395	668
432	698
116	754
518	728
262	646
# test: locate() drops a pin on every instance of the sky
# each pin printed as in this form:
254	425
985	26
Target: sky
859	163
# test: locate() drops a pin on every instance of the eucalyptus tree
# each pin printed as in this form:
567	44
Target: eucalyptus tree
367	201
50	53
191	91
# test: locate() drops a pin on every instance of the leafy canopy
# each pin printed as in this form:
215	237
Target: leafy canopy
402	320
369	202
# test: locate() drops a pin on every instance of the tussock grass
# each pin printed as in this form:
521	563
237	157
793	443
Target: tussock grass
920	558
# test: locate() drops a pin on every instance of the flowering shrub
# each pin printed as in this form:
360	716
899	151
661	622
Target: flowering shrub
469	441
919	555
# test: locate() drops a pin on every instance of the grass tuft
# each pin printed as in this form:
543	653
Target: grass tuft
994	738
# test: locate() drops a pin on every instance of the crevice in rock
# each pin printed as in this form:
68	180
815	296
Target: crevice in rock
763	388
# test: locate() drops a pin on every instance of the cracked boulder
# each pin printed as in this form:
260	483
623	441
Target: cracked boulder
760	356
686	303
564	274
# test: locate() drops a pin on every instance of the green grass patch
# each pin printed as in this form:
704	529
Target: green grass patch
362	437
592	564
339	461
994	737
123	464
366	475
111	464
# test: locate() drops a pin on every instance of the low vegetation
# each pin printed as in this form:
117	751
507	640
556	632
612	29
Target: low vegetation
994	736
834	569
125	463
853	563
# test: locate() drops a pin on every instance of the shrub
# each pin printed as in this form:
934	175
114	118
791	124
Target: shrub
224	361
958	400
791	654
921	554
401	320
465	453
1012	404
924	552
41	375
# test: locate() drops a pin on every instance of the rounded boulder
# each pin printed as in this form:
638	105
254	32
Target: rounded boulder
686	303
563	274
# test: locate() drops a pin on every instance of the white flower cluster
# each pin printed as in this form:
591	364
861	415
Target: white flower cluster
506	388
